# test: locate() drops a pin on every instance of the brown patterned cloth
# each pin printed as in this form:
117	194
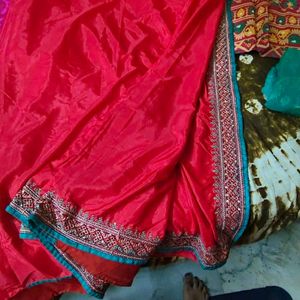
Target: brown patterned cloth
268	27
273	146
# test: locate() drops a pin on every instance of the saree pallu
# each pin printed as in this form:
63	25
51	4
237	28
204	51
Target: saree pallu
266	26
116	145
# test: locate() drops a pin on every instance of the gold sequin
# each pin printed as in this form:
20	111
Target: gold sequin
282	34
261	10
249	30
292	20
241	12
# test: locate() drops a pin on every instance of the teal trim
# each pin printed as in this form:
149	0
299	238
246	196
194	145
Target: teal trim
243	152
27	236
48	281
240	123
48	243
36	222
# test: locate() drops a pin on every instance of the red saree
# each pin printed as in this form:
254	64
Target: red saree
116	146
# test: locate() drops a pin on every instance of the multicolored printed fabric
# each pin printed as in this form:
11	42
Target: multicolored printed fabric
267	26
273	147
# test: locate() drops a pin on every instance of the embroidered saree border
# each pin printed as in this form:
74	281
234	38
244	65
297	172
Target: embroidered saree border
49	218
82	231
231	187
237	103
93	286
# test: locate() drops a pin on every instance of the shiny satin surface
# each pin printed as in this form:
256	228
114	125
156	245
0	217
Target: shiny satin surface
3	11
106	103
22	262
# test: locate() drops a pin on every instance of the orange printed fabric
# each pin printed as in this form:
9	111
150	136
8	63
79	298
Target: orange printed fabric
268	27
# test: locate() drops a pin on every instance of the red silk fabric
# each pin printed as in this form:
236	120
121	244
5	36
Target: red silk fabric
106	139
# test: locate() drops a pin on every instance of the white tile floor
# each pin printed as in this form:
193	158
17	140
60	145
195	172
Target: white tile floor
273	261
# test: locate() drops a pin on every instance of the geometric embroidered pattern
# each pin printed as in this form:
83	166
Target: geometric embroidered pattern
80	227
229	186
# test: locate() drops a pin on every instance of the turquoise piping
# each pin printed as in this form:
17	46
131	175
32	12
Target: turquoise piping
27	236
240	123
161	249
35	221
48	243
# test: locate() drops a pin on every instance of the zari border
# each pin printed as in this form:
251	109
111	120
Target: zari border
229	150
231	187
78	229
238	107
93	286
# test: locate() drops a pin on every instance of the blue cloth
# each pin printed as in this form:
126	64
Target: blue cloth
282	86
